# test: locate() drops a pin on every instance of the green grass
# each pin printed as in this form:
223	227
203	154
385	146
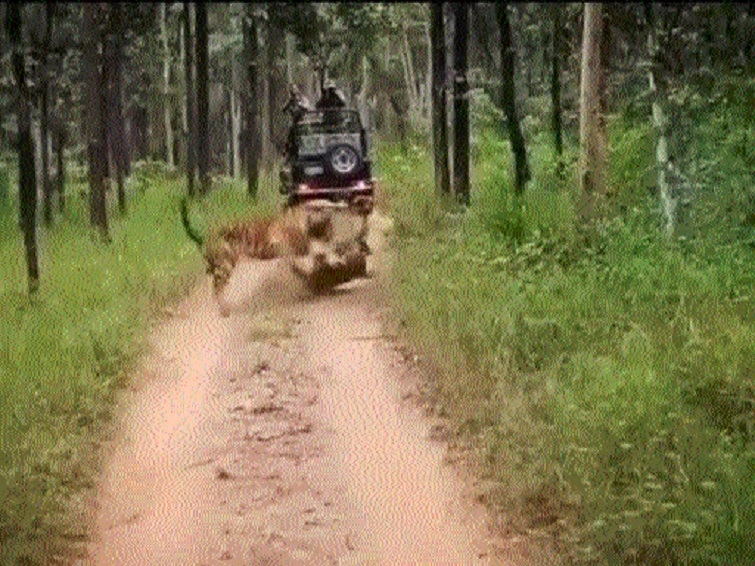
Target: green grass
65	352
611	388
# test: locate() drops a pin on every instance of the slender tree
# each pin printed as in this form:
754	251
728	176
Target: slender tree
440	131
664	163
605	55
203	100
265	76
592	144
96	125
252	145
191	137
27	185
236	120
461	103
114	64
60	145
61	139
167	111
44	94
556	85
508	99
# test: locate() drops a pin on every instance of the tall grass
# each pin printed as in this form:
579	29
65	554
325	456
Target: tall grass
65	352
609	388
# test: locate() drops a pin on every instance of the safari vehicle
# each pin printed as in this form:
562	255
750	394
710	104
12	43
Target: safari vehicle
328	166
328	159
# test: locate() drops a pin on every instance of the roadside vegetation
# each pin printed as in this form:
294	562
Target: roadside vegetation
606	373
65	351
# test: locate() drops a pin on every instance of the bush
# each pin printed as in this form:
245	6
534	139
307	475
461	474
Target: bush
608	387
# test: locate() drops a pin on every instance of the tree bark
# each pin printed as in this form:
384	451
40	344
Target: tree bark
45	116
440	131
592	144
44	139
116	141
363	90
400	118
184	134
60	155
266	72
556	88
661	123
96	129
191	130
427	104
228	129
605	54
27	184
461	103
508	100
235	129
252	104
167	114
290	58
203	101
409	78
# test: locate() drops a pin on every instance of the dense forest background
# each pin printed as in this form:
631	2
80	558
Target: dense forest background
588	167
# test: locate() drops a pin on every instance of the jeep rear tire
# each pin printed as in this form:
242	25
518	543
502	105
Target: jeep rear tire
343	160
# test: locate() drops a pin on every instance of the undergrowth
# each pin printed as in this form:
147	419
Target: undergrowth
66	351
610	387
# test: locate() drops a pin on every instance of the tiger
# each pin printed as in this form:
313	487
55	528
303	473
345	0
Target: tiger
294	234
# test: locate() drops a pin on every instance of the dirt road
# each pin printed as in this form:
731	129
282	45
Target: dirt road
279	435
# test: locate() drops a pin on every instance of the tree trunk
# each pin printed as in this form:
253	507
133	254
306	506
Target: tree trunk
605	53
203	101
290	58
427	99
166	85
252	104
44	138
228	123
60	155
44	93
321	71
440	132
266	72
592	145
191	131
27	184
235	131
461	103
411	82
400	118
96	140
363	89
116	141
508	100
556	89
661	123
181	140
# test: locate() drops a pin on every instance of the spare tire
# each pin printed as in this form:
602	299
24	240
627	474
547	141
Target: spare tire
343	160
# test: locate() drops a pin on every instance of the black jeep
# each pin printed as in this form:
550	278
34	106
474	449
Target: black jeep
327	159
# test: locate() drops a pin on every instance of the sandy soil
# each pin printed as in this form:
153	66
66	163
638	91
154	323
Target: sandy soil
282	435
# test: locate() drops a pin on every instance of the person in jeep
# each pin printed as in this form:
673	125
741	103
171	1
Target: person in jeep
330	98
296	106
